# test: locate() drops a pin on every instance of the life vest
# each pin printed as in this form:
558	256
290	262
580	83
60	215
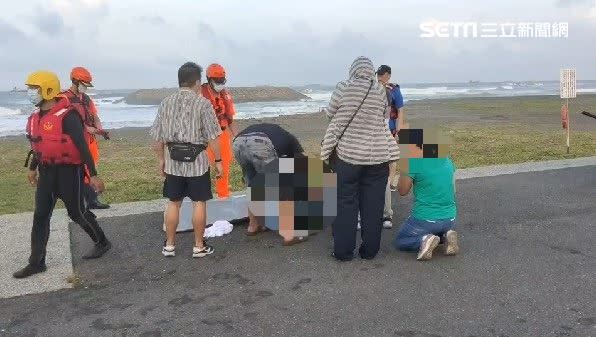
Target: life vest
389	91
48	141
83	104
222	104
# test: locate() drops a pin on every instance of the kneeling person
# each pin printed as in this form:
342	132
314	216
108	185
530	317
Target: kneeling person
431	174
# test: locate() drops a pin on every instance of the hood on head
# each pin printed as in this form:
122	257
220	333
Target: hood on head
362	67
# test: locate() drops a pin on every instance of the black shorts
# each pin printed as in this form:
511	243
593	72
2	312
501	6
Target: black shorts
177	188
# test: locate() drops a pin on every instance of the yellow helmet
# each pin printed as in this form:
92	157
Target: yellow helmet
45	80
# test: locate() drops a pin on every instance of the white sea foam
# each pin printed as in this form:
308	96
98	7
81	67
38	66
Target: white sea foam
10	112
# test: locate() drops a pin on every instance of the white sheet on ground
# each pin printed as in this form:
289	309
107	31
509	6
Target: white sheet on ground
219	228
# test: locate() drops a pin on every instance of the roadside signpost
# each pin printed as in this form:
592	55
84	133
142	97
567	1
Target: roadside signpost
567	90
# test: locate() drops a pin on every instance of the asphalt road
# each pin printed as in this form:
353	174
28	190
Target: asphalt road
527	269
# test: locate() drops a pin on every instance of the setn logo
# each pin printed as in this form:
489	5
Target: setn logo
448	29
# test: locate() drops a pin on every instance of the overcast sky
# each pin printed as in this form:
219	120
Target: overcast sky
141	43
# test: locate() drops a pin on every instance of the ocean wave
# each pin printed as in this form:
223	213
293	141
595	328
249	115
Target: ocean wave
485	89
324	96
585	90
108	100
10	112
433	91
507	87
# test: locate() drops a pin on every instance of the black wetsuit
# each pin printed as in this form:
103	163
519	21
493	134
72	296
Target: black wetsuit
65	182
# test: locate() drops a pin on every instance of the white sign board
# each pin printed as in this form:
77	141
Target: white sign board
568	83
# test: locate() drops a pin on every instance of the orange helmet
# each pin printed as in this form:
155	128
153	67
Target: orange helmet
216	71
82	75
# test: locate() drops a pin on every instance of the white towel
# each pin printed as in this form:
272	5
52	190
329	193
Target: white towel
219	228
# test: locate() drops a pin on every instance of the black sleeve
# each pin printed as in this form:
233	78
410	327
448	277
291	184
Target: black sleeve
73	126
296	146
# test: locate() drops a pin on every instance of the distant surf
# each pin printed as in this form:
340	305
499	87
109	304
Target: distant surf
115	113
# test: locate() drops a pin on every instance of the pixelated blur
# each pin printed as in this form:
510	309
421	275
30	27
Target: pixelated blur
298	194
424	142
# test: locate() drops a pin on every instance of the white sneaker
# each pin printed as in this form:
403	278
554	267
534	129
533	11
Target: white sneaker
168	251
387	223
451	245
202	252
429	243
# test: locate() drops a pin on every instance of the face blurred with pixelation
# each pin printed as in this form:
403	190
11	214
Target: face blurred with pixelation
385	78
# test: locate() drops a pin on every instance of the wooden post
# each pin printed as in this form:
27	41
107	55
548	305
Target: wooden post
568	122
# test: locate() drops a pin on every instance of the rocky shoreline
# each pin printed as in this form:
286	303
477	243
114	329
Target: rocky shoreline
240	95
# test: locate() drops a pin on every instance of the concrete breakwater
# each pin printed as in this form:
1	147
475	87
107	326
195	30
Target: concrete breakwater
240	95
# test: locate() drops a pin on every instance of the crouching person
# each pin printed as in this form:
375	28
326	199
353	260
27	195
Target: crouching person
257	149
184	125
430	174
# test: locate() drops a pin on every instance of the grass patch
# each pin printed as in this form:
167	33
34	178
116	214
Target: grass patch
129	167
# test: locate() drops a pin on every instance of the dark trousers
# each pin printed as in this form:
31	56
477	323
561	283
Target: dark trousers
89	194
359	188
63	182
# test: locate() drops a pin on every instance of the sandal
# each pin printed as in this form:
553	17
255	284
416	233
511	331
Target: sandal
295	241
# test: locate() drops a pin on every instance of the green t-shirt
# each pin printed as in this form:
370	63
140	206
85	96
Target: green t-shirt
434	190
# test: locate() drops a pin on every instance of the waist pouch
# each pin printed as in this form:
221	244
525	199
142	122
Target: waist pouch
185	152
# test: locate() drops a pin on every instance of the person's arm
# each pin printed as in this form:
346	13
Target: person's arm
211	131
454	169
297	147
398	103
233	130
159	148
334	102
93	110
405	184
32	174
73	126
230	112
33	163
157	133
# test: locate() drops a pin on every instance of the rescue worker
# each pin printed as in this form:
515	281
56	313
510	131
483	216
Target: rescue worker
215	91
81	81
60	154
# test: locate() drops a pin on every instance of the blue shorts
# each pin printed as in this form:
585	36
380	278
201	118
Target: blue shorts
411	232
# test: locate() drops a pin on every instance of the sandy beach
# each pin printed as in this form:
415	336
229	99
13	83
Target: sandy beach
486	131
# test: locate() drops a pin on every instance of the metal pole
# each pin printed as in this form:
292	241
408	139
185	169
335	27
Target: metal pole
568	122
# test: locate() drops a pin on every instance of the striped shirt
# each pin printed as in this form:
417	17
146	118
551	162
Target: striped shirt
367	140
185	117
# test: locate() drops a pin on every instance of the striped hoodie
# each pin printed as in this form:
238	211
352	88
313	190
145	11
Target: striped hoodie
367	140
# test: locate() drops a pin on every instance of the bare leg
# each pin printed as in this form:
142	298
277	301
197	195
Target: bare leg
172	219
253	223
199	221
286	220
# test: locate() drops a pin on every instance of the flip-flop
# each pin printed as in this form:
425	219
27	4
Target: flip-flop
295	241
259	230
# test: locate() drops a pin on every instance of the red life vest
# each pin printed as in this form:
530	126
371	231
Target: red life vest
48	141
222	104
83	104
